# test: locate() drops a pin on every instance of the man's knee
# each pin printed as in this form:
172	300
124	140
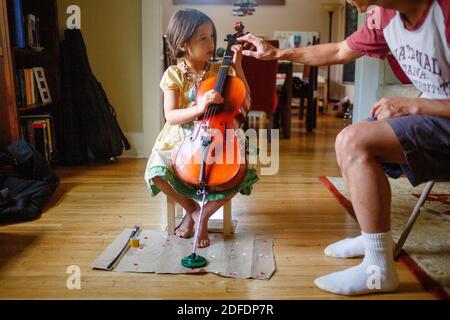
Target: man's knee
351	144
347	140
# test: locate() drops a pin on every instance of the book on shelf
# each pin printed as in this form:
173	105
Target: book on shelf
26	28
29	87
39	138
33	38
32	87
19	39
38	131
20	85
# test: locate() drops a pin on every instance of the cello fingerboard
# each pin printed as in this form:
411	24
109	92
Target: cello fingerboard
223	74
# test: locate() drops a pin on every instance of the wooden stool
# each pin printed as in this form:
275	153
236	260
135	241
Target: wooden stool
257	119
175	211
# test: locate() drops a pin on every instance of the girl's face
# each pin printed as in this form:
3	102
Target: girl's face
201	47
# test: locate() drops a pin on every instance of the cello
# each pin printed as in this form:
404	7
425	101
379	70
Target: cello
212	157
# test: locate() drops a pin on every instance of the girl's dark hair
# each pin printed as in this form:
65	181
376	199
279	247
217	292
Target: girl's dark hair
182	27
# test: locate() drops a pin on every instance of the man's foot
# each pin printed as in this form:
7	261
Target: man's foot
347	248
203	238
186	228
377	273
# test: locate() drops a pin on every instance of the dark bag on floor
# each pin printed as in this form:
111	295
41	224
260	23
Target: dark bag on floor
24	193
89	121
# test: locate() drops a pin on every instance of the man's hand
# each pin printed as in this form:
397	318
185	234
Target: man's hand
394	107
258	48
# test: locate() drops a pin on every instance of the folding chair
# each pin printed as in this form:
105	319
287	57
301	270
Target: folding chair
415	214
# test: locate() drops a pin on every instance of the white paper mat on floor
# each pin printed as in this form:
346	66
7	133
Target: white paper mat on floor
241	256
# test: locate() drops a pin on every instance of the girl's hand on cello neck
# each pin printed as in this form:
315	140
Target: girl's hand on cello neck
238	71
237	57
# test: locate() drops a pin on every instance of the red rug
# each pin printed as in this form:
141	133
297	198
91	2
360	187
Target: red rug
427	282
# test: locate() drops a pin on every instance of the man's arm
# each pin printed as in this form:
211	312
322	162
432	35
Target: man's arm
320	55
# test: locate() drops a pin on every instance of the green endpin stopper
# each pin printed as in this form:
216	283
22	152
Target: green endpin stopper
194	261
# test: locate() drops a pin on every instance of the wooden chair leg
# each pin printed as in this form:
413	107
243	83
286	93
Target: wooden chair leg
170	216
262	121
316	110
227	219
302	109
270	126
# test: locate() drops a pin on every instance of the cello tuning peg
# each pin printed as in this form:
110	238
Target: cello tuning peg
239	26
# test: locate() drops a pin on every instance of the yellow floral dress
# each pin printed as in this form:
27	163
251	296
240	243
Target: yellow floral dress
171	137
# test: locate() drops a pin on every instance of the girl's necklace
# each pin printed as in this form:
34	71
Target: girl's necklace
194	79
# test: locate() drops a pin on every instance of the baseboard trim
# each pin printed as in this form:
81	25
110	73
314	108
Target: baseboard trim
136	140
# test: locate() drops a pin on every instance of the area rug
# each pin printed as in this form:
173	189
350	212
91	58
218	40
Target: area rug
241	256
427	250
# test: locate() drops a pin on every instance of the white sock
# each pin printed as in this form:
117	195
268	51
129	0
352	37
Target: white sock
377	272
347	248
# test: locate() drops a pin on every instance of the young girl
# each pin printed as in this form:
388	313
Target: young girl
192	40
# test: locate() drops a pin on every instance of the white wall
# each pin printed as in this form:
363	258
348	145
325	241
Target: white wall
151	72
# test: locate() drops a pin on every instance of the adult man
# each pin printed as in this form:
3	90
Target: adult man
413	133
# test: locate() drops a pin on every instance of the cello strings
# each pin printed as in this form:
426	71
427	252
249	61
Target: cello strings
223	75
211	111
210	108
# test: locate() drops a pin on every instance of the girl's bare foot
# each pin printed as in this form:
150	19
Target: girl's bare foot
203	238
186	228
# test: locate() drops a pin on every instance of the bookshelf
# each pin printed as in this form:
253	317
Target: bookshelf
13	58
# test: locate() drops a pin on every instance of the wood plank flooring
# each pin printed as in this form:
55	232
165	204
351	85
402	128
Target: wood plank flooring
94	204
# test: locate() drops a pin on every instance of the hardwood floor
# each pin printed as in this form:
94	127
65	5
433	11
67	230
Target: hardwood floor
94	204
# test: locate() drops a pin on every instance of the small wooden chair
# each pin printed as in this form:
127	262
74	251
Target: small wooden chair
175	211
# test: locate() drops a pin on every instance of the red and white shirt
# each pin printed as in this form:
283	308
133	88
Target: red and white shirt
422	51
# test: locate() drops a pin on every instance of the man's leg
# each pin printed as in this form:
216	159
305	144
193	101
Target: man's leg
354	247
350	247
360	150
